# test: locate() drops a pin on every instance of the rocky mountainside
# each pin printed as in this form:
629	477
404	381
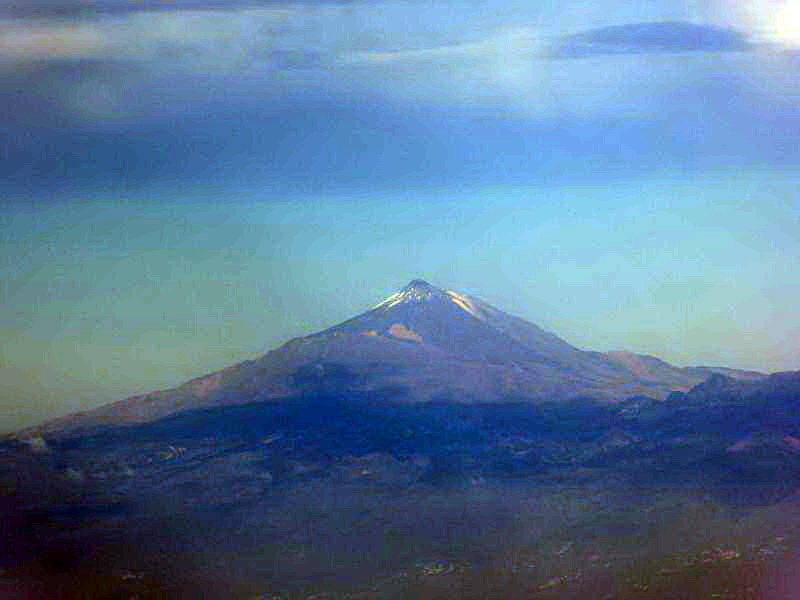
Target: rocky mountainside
420	344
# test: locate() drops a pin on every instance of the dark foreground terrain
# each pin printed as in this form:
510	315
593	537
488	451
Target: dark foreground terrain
353	496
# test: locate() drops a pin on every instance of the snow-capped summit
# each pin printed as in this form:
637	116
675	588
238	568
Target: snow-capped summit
419	285
464	328
417	290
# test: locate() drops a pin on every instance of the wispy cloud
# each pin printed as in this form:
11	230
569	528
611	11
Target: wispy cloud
633	75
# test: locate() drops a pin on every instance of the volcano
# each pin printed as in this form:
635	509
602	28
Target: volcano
420	344
431	447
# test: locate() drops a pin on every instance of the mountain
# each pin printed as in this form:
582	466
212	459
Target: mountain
420	344
322	471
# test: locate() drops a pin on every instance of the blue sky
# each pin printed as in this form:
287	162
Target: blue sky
185	186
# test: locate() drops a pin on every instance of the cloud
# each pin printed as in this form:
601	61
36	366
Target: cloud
198	40
124	68
647	38
512	72
38	41
87	8
121	67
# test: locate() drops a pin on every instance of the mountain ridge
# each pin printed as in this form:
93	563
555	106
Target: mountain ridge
420	344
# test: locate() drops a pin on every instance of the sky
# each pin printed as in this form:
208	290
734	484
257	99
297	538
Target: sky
187	184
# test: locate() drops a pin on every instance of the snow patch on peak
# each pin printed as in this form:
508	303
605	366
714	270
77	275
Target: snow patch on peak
464	303
395	298
416	291
420	291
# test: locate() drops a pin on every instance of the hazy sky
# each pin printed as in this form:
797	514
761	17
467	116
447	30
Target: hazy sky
187	184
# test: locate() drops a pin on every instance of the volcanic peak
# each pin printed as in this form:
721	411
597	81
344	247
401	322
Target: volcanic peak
420	284
416	291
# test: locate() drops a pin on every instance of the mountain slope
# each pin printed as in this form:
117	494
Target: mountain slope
420	344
